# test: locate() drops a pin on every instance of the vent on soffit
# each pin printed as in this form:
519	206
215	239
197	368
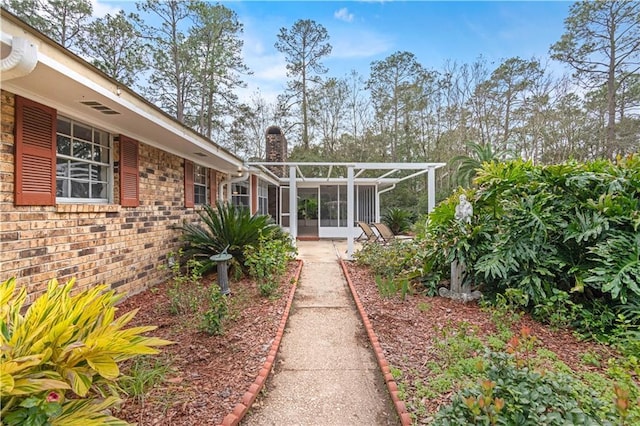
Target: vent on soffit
200	154
99	107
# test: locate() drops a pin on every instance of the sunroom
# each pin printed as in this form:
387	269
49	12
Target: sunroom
327	199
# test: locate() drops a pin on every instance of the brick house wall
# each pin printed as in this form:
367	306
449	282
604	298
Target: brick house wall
95	243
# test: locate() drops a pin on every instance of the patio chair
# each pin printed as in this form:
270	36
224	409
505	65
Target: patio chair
367	233
387	235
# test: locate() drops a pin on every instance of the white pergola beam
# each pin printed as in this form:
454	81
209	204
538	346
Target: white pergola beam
389	173
300	171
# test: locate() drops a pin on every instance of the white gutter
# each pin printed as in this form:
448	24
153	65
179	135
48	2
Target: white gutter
22	59
244	175
392	187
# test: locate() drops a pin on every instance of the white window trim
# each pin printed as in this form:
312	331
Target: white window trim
109	164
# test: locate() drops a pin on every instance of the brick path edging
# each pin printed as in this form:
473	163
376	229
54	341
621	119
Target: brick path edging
392	386
241	408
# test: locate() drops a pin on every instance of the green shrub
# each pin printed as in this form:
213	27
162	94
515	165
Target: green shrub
188	295
514	395
60	359
226	226
217	311
565	235
526	385
267	261
397	219
185	290
389	261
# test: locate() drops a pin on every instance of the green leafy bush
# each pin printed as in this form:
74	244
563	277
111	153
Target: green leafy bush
185	290
567	236
511	395
388	261
511	392
60	358
217	311
397	219
225	226
189	295
267	261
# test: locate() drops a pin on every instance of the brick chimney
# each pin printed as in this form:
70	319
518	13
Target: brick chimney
276	149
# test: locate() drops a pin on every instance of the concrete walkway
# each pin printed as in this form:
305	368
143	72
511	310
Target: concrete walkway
325	371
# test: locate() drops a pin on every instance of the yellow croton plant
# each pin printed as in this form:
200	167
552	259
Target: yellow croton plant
59	358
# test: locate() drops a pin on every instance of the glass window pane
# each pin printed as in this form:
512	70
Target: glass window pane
200	194
63	145
328	205
62	168
62	187
100	137
82	132
81	150
101	154
78	177
79	171
64	127
99	173
98	190
199	175
79	189
343	206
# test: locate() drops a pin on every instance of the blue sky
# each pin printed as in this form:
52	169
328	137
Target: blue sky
364	31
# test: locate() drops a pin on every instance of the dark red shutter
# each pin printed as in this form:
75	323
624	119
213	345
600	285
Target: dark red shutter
35	142
129	172
213	187
188	184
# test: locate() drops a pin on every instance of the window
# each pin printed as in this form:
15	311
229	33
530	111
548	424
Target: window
200	184
263	197
59	159
333	205
240	194
83	162
366	200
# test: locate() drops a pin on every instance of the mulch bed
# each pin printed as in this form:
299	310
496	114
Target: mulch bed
208	374
407	331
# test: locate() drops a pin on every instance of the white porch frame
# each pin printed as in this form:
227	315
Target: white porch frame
384	182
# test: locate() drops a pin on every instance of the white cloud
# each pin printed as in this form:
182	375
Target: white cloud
361	43
100	9
268	65
343	15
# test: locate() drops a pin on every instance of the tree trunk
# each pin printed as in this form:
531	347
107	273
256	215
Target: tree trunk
611	93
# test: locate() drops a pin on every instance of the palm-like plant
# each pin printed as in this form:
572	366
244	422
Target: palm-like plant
398	220
469	164
225	226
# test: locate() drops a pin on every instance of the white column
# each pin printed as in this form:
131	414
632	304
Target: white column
293	203
431	189
350	215
377	199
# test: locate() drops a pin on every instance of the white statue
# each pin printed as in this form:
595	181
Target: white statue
456	290
464	210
